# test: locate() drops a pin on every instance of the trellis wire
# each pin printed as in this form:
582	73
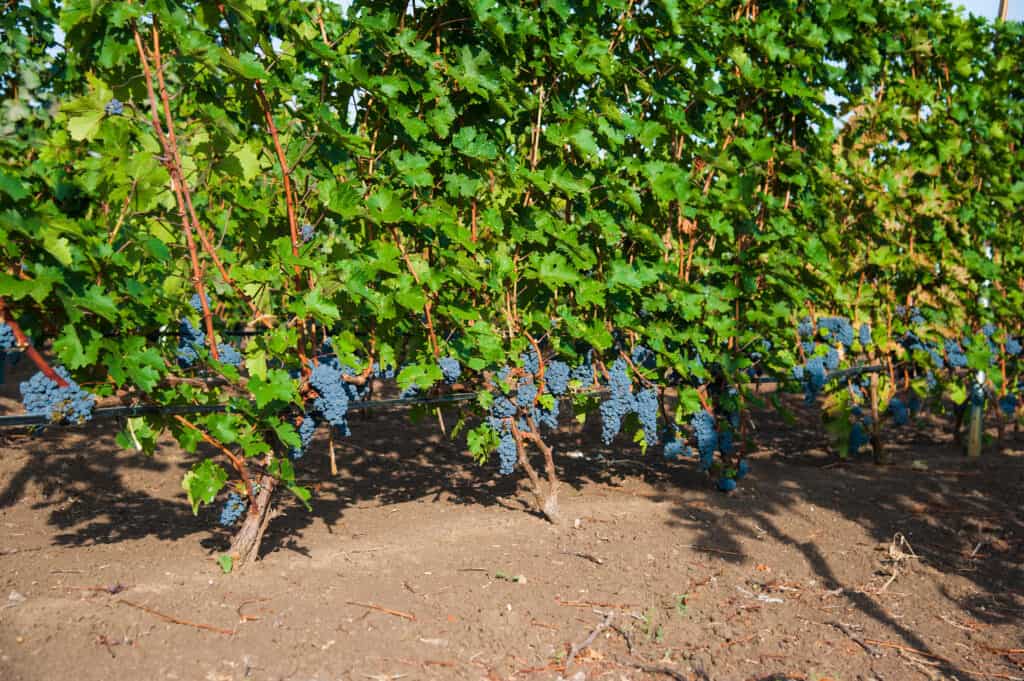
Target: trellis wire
151	410
23	420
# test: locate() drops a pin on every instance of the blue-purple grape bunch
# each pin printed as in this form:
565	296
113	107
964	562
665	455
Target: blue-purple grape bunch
43	397
333	395
7	340
306	428
190	339
503	409
451	369
703	426
233	509
836	329
899	411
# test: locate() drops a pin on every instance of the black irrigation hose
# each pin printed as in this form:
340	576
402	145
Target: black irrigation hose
144	410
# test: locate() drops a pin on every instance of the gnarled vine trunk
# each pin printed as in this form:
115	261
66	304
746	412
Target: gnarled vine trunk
245	545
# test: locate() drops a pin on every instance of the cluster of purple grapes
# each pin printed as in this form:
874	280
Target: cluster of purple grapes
526	406
307	232
899	411
450	369
114	107
306	428
836	328
7	340
583	373
233	509
333	395
622	402
190	339
858	435
812	377
727	483
703	426
43	397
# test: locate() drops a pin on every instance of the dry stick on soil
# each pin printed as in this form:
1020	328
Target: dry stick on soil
907	649
592	604
710	550
387	611
656	669
856	638
175	620
579	647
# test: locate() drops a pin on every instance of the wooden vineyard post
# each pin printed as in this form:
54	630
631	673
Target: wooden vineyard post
976	416
330	452
882	456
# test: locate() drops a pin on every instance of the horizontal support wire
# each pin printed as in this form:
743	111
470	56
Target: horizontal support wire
171	409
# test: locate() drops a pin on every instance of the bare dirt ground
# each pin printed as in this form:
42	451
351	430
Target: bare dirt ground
418	564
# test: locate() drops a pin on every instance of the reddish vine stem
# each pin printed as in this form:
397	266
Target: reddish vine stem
629	361
540	367
204	239
416	277
26	346
237	462
293	225
472	236
172	162
285	172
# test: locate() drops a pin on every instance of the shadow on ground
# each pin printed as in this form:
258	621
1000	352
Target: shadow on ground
968	521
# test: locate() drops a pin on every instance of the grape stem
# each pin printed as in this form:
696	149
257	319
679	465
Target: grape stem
26	346
540	368
629	361
183	191
416	277
293	225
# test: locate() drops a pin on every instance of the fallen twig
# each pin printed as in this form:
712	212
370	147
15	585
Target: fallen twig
593	604
578	647
656	669
585	556
113	589
897	646
249	618
625	635
387	611
710	549
175	620
856	638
